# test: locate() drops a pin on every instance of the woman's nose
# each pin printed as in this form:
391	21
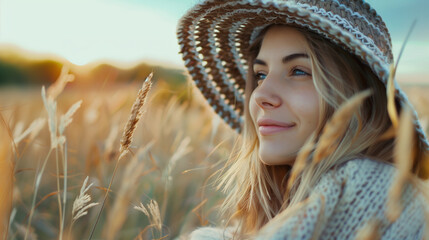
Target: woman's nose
266	96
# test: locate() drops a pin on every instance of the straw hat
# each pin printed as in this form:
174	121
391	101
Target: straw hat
214	36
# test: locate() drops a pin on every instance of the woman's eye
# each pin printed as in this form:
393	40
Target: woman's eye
299	72
260	76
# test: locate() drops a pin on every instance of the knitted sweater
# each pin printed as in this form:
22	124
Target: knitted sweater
343	201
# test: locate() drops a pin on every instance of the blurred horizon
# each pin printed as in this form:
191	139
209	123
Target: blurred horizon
130	32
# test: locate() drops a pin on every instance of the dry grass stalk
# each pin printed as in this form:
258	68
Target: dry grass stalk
337	125
369	231
388	134
18	129
390	88
82	202
301	162
56	131
403	153
66	118
127	137
129	184
58	86
6	180
51	108
32	130
29	233
153	214
180	151
135	115
391	107
202	221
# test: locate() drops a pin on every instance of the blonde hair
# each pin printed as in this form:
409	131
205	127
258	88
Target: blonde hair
256	192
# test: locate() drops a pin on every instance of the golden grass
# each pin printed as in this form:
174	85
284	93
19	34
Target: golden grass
6	177
175	149
127	138
369	231
403	153
337	125
178	145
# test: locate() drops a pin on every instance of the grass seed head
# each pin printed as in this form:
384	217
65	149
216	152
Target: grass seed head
135	115
31	131
337	126
152	212
66	119
403	155
58	86
82	202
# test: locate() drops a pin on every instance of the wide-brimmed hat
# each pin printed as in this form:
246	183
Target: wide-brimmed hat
215	36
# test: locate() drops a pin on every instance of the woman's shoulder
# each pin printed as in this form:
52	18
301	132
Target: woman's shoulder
362	167
359	171
211	233
363	187
356	175
365	181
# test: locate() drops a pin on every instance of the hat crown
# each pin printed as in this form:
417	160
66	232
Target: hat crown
358	18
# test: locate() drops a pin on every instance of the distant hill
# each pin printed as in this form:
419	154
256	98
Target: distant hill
19	68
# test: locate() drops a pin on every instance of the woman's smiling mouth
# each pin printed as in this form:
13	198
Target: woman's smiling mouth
269	126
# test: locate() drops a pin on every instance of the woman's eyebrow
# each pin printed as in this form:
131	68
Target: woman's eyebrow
294	56
285	59
259	62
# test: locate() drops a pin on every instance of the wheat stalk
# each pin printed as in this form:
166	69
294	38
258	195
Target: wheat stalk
6	177
369	231
403	153
82	202
301	162
337	125
134	118
58	86
153	214
32	130
56	130
127	137
129	183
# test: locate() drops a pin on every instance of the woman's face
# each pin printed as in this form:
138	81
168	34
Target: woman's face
285	105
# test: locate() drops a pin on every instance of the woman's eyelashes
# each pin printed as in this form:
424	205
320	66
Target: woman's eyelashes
260	76
294	72
299	72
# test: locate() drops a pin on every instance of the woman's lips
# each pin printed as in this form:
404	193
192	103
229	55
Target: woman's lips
269	126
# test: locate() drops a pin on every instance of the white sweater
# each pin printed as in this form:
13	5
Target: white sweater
353	194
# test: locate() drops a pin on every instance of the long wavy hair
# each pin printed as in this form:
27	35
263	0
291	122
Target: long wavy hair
256	192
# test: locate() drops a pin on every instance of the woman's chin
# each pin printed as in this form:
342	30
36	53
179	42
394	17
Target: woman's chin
274	160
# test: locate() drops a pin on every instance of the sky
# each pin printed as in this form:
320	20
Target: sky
129	31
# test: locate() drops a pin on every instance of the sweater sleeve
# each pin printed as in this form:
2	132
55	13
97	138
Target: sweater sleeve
347	198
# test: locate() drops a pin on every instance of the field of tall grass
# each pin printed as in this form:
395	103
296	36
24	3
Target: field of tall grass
59	173
60	146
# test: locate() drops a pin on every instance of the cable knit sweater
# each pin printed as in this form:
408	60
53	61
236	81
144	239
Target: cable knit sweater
353	194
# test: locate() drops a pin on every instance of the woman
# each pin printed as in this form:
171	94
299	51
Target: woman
277	71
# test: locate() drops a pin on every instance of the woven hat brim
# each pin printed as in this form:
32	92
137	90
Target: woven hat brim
215	35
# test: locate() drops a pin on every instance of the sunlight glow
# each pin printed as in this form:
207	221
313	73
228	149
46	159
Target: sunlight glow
87	30
124	31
